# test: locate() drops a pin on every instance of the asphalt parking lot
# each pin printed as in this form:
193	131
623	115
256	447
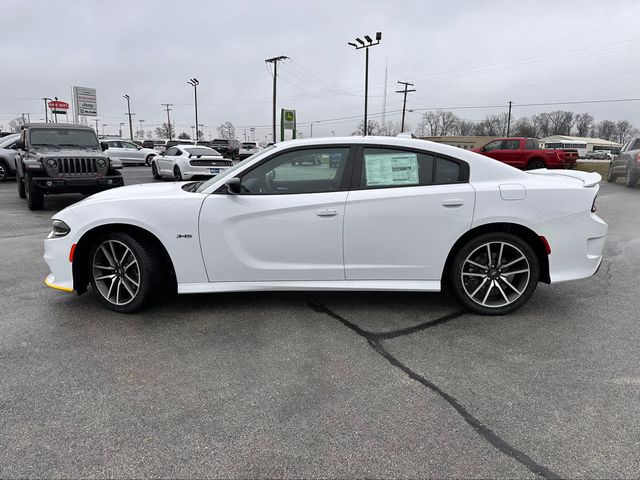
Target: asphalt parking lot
319	384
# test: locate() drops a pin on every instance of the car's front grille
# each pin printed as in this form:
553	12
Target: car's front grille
77	166
210	163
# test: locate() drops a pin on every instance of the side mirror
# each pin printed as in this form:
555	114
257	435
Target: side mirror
233	186
139	147
104	146
19	145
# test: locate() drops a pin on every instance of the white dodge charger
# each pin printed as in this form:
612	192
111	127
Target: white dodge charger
372	213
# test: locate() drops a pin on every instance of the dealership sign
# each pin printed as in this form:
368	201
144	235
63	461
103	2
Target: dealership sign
287	122
56	106
85	101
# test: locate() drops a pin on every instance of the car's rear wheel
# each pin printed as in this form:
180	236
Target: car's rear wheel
177	174
35	196
495	273
4	170
535	164
630	178
154	171
122	272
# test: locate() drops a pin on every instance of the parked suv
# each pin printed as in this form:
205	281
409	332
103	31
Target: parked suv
626	164
62	158
227	147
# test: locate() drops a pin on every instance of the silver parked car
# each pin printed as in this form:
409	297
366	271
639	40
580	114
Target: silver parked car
8	156
128	152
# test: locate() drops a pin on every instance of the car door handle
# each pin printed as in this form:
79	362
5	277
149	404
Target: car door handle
327	212
452	202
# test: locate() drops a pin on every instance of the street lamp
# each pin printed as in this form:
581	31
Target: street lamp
361	44
194	83
129	114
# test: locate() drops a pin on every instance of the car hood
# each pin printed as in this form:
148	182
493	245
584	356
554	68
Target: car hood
145	191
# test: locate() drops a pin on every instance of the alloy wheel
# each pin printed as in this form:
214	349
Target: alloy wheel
495	274
116	272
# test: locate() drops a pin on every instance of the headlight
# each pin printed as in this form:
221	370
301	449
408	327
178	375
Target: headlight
58	229
101	163
51	163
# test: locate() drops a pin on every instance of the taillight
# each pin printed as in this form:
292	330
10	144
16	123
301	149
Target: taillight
638	158
560	155
593	206
545	244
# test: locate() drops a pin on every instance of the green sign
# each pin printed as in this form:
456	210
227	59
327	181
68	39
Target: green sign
287	122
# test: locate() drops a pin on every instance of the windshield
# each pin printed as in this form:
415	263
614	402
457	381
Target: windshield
218	140
202	151
63	137
249	145
230	171
4	141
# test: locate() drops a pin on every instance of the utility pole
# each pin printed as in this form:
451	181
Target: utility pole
96	120
121	124
509	120
366	46
46	109
384	98
275	61
129	113
194	83
141	129
103	125
201	126
167	105
311	132
404	101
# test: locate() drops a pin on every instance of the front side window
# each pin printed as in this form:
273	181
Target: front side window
313	170
384	168
495	145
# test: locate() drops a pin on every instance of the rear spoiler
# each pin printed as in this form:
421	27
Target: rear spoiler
589	179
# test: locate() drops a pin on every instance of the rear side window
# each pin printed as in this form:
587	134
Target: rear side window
531	144
384	168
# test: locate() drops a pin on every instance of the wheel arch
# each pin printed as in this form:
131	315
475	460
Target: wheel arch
525	233
83	248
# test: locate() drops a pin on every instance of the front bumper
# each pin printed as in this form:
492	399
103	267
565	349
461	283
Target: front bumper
56	254
77	184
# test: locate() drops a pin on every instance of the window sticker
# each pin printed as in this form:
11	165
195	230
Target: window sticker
384	169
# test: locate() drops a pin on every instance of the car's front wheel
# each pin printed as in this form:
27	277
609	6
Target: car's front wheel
35	196
495	273
149	159
154	171
122	272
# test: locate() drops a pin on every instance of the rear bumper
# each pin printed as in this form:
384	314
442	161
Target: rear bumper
189	172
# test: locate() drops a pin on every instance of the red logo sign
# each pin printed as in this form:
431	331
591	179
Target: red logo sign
58	105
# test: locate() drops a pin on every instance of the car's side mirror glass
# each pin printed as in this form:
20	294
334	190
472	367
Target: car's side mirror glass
104	146
233	186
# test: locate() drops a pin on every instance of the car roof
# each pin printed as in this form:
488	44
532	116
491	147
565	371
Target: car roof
60	125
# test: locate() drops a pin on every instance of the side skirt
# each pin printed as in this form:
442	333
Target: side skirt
338	285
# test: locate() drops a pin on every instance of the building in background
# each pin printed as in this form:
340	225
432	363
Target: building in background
592	144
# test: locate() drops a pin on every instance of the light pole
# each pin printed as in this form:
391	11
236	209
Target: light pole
129	114
96	120
275	61
46	109
201	126
121	124
192	129
141	129
362	44
103	125
311	132
194	83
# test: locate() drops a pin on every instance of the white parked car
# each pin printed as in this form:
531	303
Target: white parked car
189	162
373	213
128	152
247	149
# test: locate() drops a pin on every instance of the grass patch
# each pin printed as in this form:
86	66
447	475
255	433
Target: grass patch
601	168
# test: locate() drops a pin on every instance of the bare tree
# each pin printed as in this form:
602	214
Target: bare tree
465	127
373	128
447	122
227	130
184	136
542	124
561	122
16	124
584	124
606	129
624	131
524	127
163	131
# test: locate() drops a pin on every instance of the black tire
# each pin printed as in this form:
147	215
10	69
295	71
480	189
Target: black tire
154	171
611	177
115	292
535	164
21	189
148	160
478	291
177	174
4	170
630	178
35	196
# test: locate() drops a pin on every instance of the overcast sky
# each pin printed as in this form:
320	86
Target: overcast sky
457	53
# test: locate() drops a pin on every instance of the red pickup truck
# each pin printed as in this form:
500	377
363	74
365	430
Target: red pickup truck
525	153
